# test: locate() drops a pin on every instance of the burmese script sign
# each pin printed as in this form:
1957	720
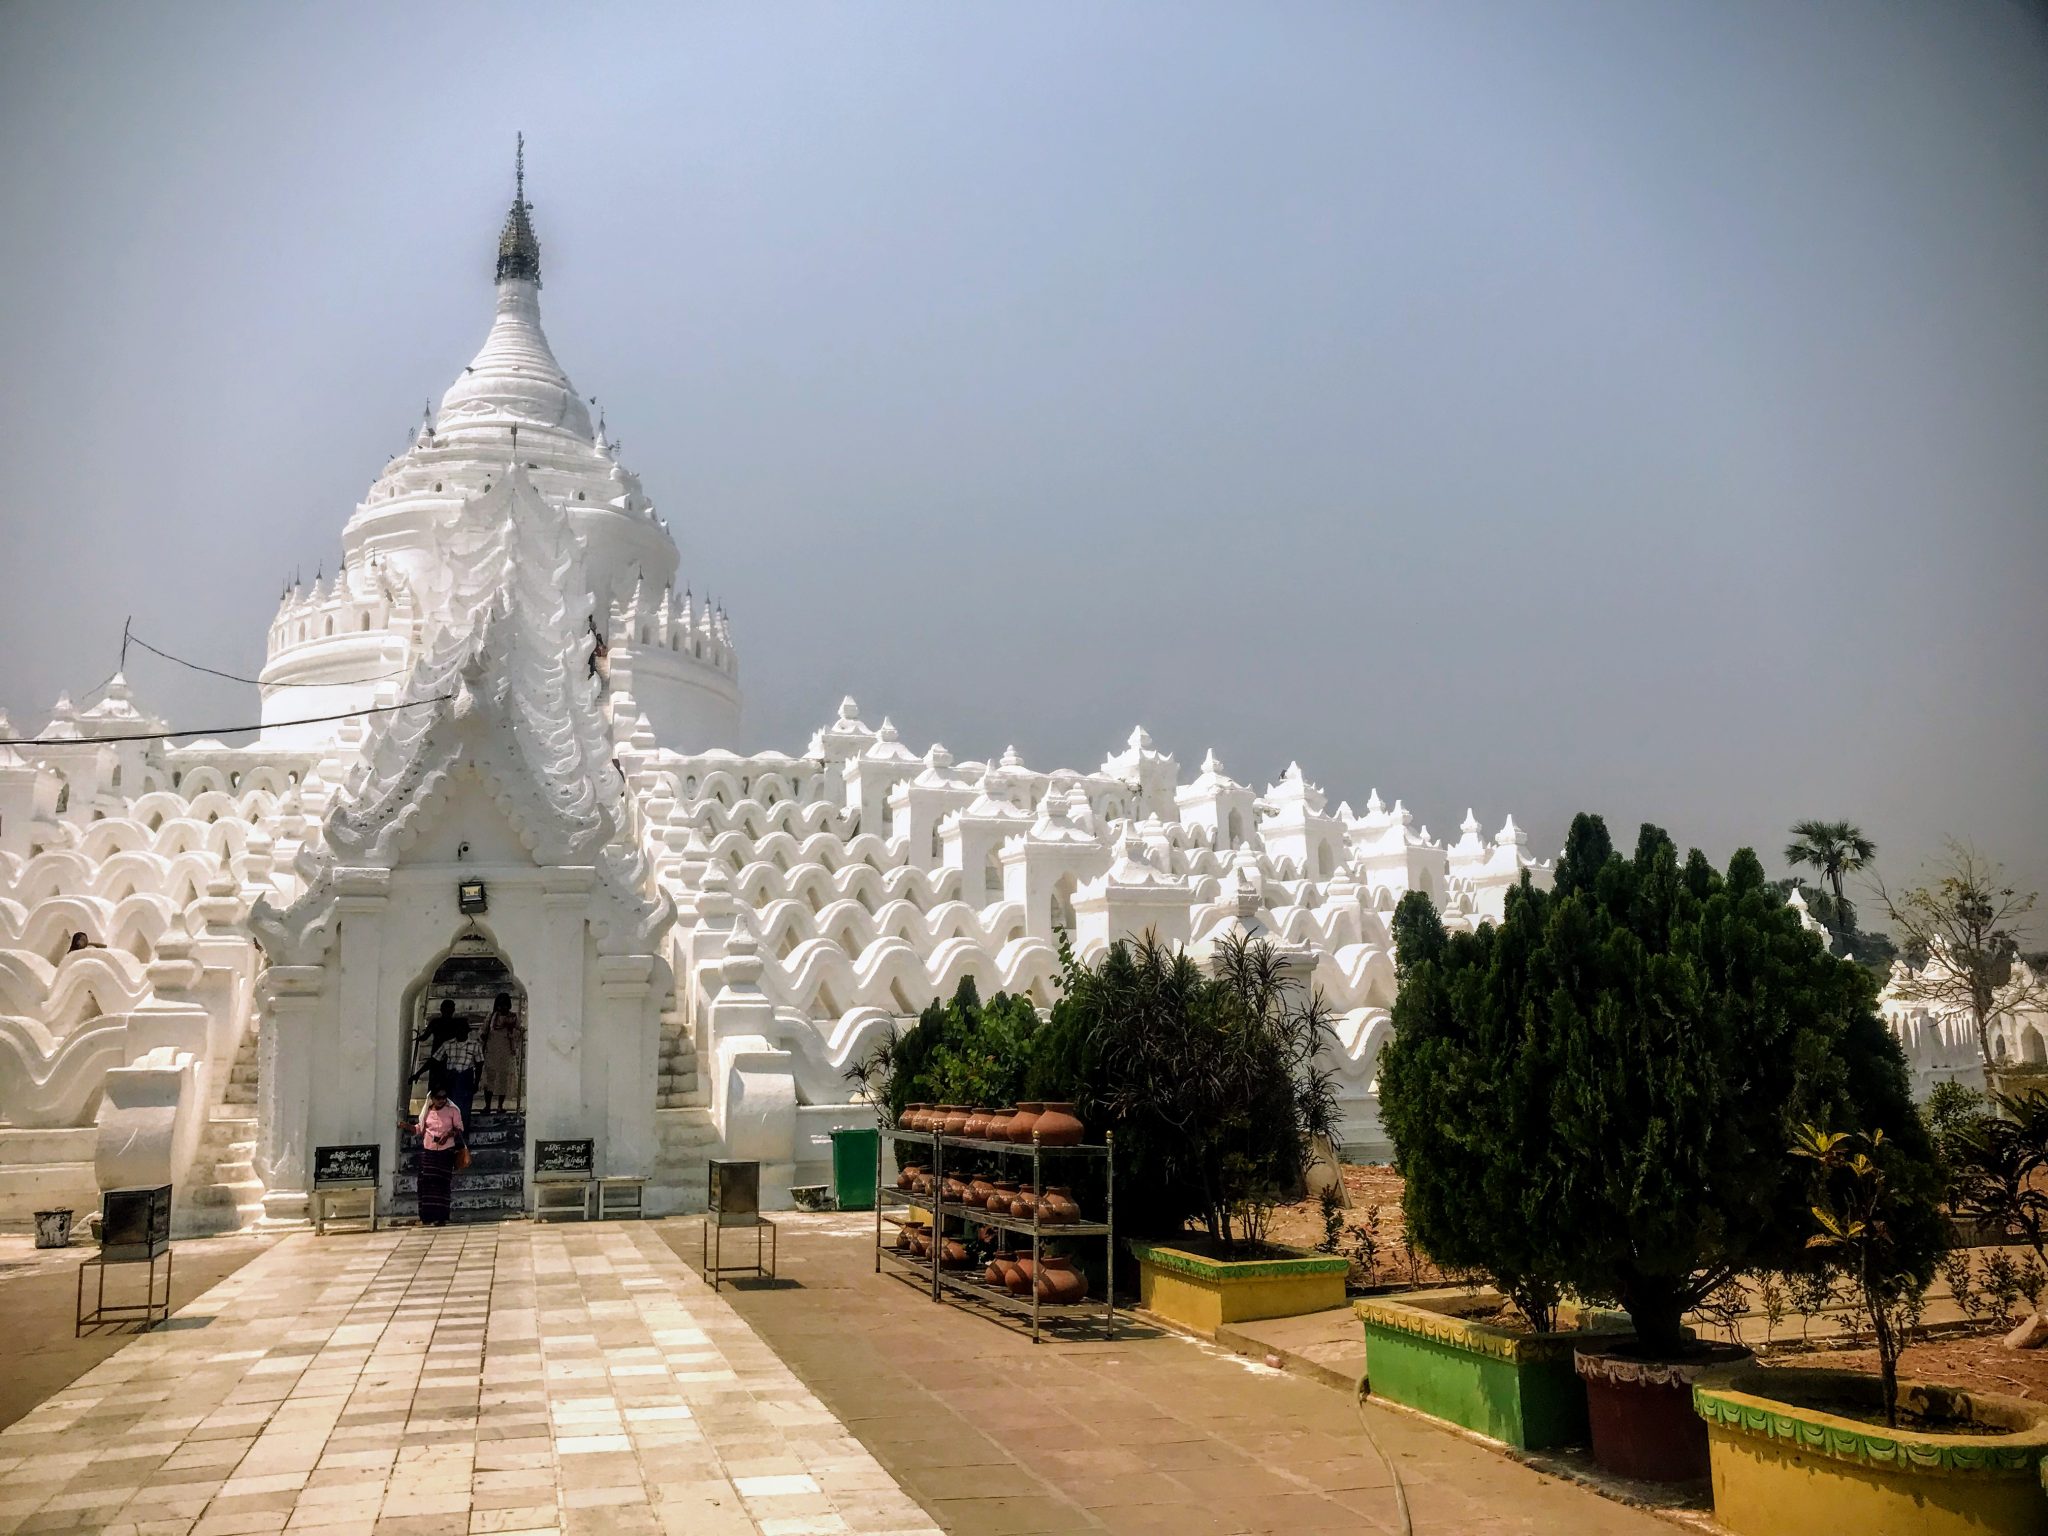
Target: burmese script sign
342	1167
560	1159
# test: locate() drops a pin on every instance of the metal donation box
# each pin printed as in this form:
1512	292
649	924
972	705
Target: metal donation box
135	1224
735	1192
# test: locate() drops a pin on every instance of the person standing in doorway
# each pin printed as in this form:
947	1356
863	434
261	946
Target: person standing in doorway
442	1134
501	1055
460	1054
435	1035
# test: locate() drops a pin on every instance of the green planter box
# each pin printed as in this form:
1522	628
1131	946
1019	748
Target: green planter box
1425	1351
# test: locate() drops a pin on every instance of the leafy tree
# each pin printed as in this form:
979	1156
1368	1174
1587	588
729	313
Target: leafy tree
1954	1114
961	1051
1875	952
1999	1167
1465	1086
1867	1221
1599	1090
1970	926
1213	1084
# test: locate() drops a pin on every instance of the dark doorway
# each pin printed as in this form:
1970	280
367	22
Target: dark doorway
472	995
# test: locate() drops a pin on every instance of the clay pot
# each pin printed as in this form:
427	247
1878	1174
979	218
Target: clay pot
978	1191
920	1238
993	1275
1057	1281
976	1126
955	1122
1001	1193
954	1254
1023	1204
906	1176
1022	1122
912	1118
1058	1206
1018	1279
1640	1411
1058	1127
903	1239
999	1124
954	1192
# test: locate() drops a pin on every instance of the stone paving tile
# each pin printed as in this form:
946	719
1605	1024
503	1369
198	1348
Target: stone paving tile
1149	1433
482	1380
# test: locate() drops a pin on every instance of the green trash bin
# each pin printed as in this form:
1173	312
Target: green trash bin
853	1169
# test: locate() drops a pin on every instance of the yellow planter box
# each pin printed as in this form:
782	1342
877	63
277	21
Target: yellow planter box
1202	1294
1783	1469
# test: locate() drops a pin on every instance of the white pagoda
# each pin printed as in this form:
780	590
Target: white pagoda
491	765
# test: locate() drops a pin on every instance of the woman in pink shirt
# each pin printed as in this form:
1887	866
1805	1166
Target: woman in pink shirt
441	1139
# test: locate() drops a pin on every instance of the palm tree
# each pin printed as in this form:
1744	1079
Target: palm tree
1836	849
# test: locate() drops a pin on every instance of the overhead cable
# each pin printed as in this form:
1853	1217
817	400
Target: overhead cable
233	677
215	730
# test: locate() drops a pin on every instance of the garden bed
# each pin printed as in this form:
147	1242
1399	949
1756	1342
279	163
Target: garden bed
1970	1356
1471	1358
1202	1291
1796	1450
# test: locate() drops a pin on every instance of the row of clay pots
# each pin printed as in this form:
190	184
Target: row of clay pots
1051	1125
999	1197
1002	1197
1054	1278
915	1237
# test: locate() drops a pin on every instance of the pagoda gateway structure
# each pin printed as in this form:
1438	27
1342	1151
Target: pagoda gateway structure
496	773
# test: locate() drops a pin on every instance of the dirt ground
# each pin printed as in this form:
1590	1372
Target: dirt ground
1375	1214
1973	1359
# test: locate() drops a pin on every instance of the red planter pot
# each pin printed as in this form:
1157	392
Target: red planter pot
1641	1413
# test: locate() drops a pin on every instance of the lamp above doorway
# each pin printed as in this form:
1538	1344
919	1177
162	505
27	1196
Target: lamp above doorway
470	896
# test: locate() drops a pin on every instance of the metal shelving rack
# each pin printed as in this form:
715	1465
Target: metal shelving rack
890	1200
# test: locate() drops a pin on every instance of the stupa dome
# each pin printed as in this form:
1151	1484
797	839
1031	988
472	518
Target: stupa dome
514	381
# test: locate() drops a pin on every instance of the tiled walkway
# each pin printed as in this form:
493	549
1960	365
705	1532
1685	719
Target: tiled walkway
474	1380
1148	1435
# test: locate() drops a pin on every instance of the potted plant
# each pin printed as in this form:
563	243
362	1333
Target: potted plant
1820	1450
1618	1066
1213	1086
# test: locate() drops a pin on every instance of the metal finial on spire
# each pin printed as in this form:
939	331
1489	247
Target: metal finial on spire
518	250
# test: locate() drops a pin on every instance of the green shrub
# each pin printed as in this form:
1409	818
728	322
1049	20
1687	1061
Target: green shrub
962	1051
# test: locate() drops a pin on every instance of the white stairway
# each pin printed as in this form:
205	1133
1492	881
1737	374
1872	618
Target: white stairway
682	1122
225	1193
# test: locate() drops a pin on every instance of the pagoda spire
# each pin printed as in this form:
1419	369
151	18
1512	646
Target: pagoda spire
518	249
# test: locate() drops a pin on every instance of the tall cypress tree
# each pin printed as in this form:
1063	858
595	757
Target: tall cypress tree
1601	1092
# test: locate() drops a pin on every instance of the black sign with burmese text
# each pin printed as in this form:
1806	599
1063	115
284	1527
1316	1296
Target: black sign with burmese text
333	1166
560	1157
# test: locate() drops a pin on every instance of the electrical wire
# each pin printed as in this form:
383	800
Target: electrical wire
347	682
1401	1510
215	730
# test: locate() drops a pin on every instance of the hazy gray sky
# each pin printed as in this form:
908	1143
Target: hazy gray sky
1536	405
